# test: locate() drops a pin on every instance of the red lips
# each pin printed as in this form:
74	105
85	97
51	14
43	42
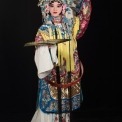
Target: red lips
55	12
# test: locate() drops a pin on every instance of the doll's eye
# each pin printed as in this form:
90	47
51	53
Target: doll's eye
59	5
51	5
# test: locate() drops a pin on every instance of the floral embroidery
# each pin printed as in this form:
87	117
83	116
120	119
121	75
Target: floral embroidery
48	104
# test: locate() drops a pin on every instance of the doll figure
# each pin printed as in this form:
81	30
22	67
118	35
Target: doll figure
62	19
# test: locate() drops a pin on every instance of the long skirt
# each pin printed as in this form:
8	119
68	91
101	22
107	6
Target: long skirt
47	101
40	116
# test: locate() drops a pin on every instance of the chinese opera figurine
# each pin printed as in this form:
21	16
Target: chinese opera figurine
62	20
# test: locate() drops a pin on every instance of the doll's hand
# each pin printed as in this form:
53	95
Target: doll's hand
38	39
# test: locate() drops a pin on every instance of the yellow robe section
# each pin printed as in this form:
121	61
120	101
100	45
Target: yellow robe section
65	49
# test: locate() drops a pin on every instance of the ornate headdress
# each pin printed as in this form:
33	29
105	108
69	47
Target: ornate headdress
70	3
73	6
70	7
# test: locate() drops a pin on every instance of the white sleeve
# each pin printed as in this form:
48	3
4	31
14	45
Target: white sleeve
43	60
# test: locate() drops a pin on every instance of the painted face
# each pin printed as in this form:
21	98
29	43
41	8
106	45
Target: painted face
55	8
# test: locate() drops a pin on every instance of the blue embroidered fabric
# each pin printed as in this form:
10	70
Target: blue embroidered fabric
50	105
53	27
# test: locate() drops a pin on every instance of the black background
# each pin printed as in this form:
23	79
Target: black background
19	21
